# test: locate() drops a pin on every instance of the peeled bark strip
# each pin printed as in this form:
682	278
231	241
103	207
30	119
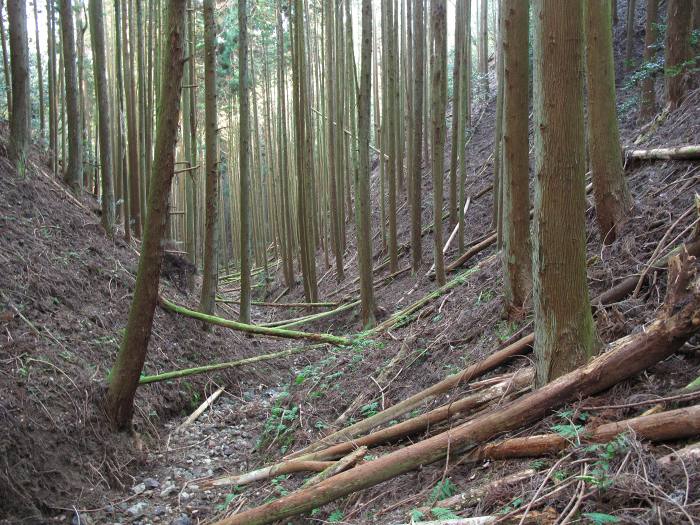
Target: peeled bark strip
495	360
290	467
627	357
665	426
677	153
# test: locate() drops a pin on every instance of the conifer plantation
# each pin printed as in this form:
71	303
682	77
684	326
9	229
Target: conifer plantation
350	261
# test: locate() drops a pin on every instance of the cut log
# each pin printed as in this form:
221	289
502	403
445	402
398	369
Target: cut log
361	427
665	426
254	329
471	252
207	403
678	153
689	453
625	358
290	467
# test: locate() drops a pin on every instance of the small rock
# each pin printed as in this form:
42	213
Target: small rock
138	489
169	489
159	511
80	519
184	496
182	520
137	510
151	483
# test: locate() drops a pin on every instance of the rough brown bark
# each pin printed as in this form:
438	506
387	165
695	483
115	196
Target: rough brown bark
124	378
415	166
677	50
651	34
19	118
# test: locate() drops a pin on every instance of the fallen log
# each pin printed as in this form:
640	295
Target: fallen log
625	358
519	381
289	467
471	252
689	453
468	498
677	153
175	374
337	467
207	403
361	427
254	329
671	425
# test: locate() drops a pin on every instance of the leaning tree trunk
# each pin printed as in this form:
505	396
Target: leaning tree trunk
564	331
73	175
19	118
517	274
677	50
363	171
210	271
99	61
612	198
124	378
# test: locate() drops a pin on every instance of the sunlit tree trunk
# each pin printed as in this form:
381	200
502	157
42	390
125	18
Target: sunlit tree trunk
565	335
124	377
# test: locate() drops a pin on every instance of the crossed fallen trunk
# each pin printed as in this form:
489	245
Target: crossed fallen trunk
625	358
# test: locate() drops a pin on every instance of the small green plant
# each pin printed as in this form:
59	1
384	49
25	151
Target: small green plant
369	409
444	489
443	514
538	464
599	518
277	485
227	502
336	516
510	507
600	473
485	297
505	330
416	515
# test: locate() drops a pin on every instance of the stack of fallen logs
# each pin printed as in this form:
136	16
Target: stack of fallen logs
517	407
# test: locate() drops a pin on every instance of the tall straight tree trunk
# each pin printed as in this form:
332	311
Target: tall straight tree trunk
53	118
73	174
190	143
677	50
517	266
210	271
417	160
565	335
629	38
388	59
612	198
132	142
696	15
20	130
99	62
6	60
438	90
244	161
466	98
121	136
362	173
39	69
124	378
651	34
484	47
456	118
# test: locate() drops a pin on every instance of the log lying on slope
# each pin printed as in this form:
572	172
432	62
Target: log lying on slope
254	329
665	426
677	153
627	357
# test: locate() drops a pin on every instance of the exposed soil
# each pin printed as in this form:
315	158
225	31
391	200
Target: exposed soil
66	289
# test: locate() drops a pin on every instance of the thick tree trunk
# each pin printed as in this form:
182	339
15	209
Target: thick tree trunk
517	266
73	174
124	378
648	107
210	271
612	198
564	331
40	69
20	130
99	61
625	358
677	50
6	60
363	171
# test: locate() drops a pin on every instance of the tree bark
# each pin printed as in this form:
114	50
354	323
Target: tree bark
517	266
363	171
677	50
416	164
210	270
124	378
6	61
564	331
651	34
99	61
629	38
40	69
612	198
624	359
20	130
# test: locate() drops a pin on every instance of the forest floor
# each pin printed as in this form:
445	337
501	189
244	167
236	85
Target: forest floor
65	292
